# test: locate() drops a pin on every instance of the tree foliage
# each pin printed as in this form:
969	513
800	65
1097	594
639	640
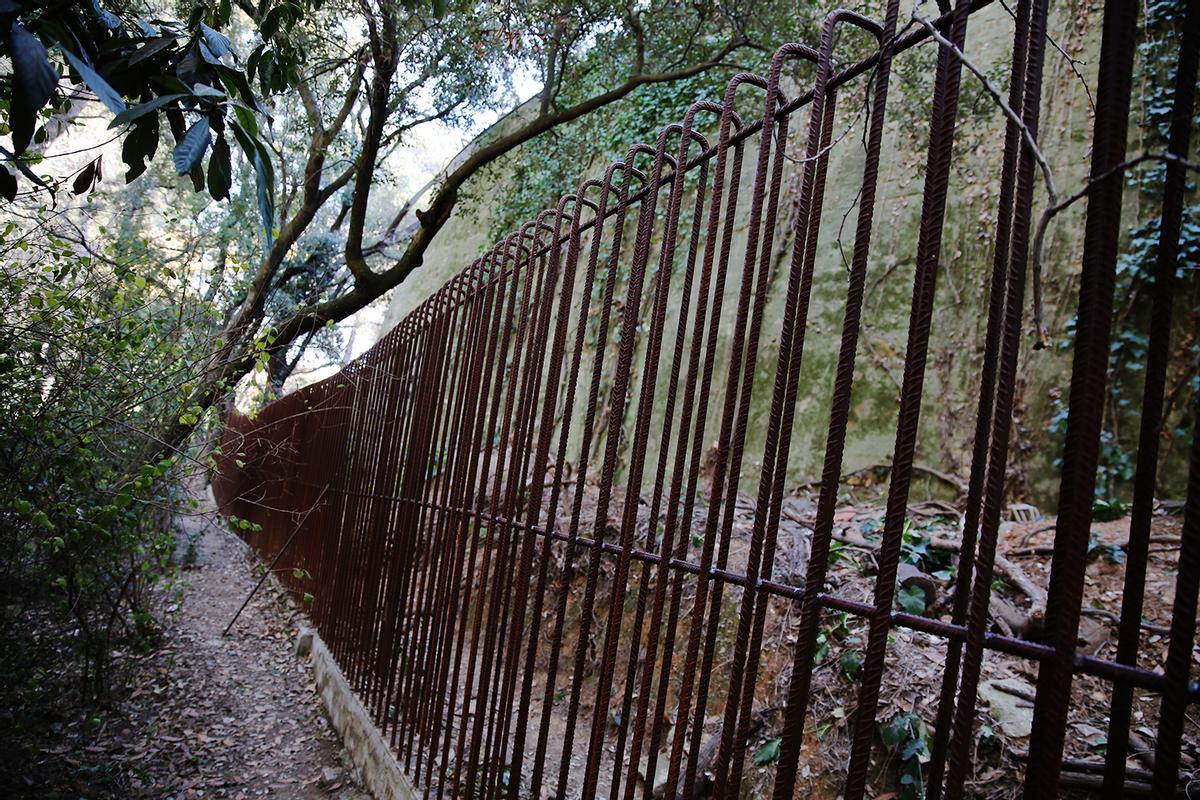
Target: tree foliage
144	71
94	356
267	193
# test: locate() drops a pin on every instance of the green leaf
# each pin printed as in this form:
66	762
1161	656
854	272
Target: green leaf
912	599
1108	510
219	172
139	146
264	178
248	123
141	109
912	748
108	95
851	662
8	185
235	82
204	90
88	177
151	48
769	752
270	24
33	82
216	41
190	150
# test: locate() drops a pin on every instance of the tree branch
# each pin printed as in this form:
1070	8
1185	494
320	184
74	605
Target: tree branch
443	202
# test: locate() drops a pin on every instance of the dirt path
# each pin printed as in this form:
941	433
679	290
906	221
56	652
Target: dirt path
211	716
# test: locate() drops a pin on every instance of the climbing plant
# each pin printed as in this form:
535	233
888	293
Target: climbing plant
1134	285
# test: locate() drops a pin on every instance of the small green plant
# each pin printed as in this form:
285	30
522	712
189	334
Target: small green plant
911	599
989	741
826	636
1111	553
822	651
1109	509
768	753
915	549
908	737
851	663
869	527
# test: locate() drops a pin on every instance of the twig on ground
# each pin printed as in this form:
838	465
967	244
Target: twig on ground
1048	549
1010	571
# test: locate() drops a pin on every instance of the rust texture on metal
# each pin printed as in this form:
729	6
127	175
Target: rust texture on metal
512	516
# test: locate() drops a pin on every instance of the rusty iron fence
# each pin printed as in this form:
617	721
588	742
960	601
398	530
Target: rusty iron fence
513	527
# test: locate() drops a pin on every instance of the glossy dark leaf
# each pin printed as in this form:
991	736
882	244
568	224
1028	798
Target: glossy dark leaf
248	122
219	171
139	146
33	82
208	55
197	176
108	95
87	178
253	59
151	49
191	148
177	123
270	24
266	72
106	18
264	184
235	81
8	184
191	68
217	42
141	109
264	178
204	90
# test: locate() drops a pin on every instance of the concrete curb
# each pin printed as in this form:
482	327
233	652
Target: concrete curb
368	750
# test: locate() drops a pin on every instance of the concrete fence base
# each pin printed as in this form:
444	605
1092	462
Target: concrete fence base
368	750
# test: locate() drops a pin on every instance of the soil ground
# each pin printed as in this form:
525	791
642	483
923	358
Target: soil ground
206	715
915	661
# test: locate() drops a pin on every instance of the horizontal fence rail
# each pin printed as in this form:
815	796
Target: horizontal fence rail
513	518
